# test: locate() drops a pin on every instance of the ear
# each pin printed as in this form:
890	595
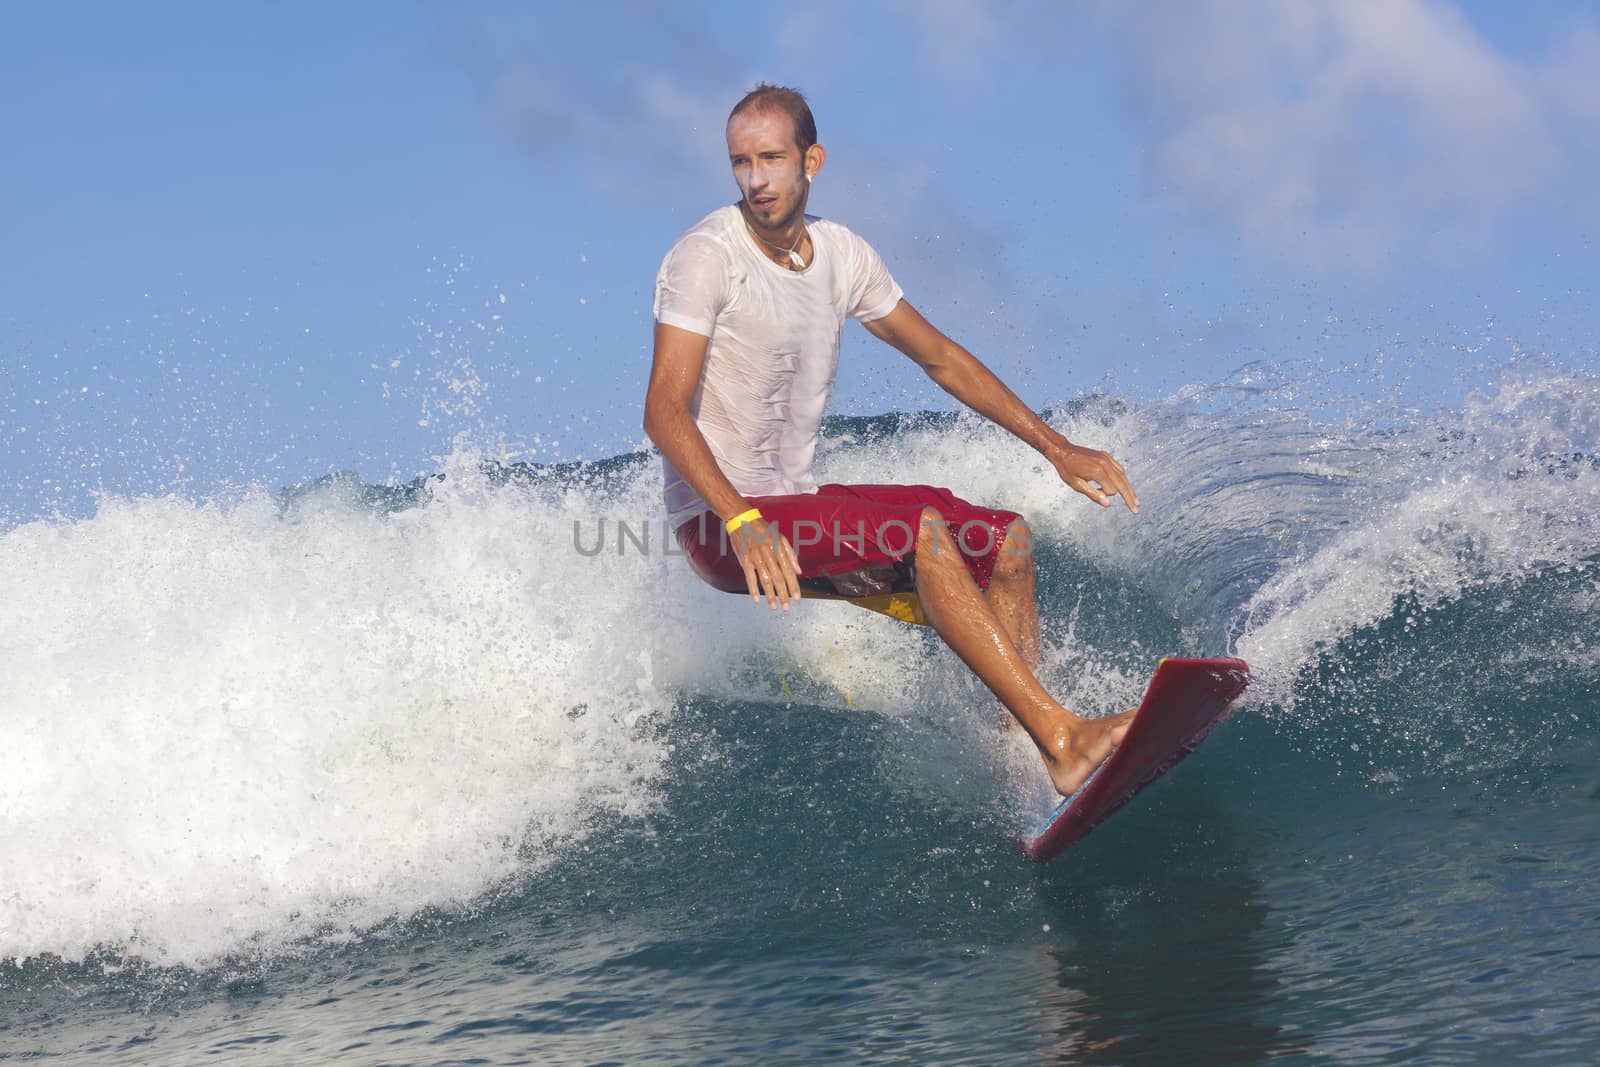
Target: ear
816	155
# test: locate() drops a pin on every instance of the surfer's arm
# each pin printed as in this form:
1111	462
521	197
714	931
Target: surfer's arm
958	372
770	564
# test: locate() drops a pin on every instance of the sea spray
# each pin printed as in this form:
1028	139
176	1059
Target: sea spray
230	727
1504	492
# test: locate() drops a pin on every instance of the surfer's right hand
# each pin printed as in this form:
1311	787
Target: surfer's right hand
771	568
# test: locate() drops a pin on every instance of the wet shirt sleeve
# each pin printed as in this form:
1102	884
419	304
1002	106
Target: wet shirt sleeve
692	286
873	290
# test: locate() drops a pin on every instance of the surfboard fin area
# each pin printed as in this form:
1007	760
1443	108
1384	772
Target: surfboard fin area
1186	700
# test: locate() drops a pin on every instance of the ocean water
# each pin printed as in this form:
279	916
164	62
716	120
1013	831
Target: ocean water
413	774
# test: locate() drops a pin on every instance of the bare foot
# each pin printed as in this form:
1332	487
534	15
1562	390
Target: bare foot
1081	746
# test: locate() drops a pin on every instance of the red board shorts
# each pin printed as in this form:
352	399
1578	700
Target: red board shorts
853	541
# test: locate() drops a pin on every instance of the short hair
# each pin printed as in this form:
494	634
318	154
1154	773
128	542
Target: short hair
767	97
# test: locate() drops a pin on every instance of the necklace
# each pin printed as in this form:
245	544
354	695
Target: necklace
794	257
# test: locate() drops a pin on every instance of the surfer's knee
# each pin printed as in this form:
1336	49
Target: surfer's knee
1016	551
933	531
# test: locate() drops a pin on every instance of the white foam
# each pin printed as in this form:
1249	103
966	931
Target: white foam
221	729
224	729
1499	492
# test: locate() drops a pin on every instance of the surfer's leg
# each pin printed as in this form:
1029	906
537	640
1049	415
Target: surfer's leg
1072	746
1011	594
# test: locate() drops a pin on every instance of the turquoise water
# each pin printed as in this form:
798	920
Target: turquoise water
371	775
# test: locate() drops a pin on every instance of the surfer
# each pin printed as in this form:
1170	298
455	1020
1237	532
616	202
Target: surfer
750	304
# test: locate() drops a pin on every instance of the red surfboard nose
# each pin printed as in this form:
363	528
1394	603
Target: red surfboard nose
1186	700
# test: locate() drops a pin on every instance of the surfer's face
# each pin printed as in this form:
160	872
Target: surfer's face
769	166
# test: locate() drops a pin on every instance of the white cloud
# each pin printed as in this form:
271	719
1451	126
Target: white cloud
951	267
645	117
605	105
576	94
1336	131
1327	132
1573	78
957	35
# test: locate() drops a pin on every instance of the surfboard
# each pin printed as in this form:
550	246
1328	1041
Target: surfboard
1186	700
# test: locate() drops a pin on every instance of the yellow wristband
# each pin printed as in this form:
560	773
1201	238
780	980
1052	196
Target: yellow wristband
739	520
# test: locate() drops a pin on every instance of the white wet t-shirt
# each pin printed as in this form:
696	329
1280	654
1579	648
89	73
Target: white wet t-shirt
774	346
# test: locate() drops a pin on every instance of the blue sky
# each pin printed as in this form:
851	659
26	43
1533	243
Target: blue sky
253	243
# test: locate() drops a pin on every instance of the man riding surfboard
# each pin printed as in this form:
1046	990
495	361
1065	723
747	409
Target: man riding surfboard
750	304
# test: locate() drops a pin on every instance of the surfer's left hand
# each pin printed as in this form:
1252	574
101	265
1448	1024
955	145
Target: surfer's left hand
1093	473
